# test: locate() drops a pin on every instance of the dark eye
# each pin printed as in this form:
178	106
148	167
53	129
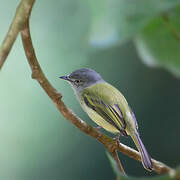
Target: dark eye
77	81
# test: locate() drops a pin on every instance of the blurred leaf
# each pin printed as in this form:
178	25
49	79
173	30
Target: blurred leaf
120	176
102	32
159	44
177	175
122	19
69	24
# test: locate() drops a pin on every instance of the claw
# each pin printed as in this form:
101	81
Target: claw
98	127
117	138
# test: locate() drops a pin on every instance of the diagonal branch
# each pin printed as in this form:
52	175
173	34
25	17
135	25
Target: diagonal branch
23	14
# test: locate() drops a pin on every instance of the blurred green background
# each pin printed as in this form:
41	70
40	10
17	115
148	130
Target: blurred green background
36	142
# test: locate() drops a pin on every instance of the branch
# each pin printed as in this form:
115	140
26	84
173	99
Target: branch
15	27
21	21
56	97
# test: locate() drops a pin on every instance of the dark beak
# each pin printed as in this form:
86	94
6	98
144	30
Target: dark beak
65	78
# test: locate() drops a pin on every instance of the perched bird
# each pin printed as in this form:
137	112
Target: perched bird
107	107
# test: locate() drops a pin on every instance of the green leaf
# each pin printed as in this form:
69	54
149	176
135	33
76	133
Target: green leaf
159	43
122	177
120	20
177	174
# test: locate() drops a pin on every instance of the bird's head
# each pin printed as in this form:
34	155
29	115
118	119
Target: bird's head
82	78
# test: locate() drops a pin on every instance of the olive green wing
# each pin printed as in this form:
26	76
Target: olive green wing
110	112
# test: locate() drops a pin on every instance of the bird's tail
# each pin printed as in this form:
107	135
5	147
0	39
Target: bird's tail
145	158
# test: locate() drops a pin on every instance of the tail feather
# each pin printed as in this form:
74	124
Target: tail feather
145	158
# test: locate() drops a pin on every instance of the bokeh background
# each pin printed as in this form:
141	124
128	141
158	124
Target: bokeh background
36	142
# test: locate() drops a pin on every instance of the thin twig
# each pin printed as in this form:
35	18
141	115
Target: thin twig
171	27
56	97
118	162
14	29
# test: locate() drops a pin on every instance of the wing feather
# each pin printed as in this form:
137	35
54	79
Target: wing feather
110	112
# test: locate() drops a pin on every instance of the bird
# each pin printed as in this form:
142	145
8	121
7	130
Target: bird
107	107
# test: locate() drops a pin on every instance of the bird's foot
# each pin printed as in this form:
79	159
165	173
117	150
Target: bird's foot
117	139
99	132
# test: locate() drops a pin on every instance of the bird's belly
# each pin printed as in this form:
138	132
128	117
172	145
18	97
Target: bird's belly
99	120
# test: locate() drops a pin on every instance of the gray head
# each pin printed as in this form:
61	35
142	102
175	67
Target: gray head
83	78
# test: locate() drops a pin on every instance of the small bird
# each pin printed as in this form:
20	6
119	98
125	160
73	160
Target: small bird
107	107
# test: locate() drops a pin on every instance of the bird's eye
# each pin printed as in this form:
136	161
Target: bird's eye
77	81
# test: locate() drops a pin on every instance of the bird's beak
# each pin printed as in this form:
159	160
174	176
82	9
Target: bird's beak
65	78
